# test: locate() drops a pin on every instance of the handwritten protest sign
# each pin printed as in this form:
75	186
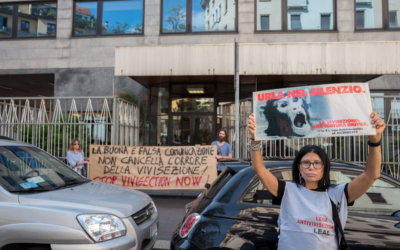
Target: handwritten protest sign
154	167
313	111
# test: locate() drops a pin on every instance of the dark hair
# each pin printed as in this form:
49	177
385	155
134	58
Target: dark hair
226	134
325	160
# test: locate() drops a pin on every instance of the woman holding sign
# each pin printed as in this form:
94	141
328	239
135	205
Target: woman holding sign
313	211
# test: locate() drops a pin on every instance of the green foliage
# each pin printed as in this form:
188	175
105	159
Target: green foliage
57	134
52	13
176	20
85	24
139	28
120	28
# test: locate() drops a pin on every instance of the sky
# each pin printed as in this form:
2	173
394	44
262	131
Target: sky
198	16
129	11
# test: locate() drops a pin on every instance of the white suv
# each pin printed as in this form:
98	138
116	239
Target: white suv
45	205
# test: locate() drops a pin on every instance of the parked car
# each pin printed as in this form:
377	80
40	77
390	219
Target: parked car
46	205
236	211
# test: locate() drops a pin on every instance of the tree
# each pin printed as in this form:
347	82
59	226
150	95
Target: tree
52	13
120	28
139	28
176	19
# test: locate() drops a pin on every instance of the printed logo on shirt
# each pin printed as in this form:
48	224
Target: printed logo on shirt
321	225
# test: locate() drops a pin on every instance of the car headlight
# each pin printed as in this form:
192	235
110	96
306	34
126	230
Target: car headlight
154	207
102	227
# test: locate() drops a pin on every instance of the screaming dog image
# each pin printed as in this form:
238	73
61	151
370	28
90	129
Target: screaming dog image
288	117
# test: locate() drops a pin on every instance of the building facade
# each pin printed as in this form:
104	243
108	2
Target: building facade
181	52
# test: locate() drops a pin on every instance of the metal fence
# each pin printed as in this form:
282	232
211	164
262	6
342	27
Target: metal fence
51	123
346	148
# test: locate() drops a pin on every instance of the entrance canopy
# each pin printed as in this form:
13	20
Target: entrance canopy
180	116
336	58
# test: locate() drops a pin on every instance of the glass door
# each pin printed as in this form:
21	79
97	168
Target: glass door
203	127
191	114
192	130
181	131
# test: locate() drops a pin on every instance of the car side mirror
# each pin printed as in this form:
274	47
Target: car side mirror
396	214
207	185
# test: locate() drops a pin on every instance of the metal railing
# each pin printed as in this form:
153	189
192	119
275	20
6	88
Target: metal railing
347	148
51	123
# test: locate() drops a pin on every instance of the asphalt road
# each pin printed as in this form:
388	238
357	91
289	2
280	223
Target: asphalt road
170	212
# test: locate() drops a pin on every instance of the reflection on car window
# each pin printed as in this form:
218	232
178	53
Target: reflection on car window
380	199
23	168
219	183
257	193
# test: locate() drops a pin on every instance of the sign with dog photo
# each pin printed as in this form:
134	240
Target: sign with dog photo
313	111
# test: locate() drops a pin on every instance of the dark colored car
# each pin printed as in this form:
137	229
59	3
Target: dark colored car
236	212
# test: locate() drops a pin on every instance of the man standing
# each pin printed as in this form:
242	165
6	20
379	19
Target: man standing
224	150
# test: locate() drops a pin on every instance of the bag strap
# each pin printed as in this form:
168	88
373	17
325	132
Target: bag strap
342	244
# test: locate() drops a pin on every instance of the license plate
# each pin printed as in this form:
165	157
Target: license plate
154	230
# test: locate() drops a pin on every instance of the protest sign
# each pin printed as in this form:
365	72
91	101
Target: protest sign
154	167
313	111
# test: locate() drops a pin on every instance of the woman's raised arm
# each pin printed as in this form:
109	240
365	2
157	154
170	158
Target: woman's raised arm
267	179
364	181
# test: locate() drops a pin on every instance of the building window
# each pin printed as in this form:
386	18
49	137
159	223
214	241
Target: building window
360	22
6	14
264	22
51	28
394	8
97	18
369	14
295	22
299	14
205	16
393	19
326	21
31	20
25	26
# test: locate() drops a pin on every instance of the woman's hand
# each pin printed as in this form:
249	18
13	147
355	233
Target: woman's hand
379	125
252	125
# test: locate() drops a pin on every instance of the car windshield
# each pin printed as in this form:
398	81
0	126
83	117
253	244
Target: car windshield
29	168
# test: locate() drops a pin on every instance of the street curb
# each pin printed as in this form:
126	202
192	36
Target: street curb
162	244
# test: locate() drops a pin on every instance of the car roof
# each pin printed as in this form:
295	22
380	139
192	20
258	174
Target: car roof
270	162
6	141
277	163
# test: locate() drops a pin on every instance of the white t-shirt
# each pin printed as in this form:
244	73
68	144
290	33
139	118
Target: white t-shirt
306	222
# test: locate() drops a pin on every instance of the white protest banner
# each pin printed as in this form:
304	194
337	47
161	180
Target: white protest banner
313	111
154	167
